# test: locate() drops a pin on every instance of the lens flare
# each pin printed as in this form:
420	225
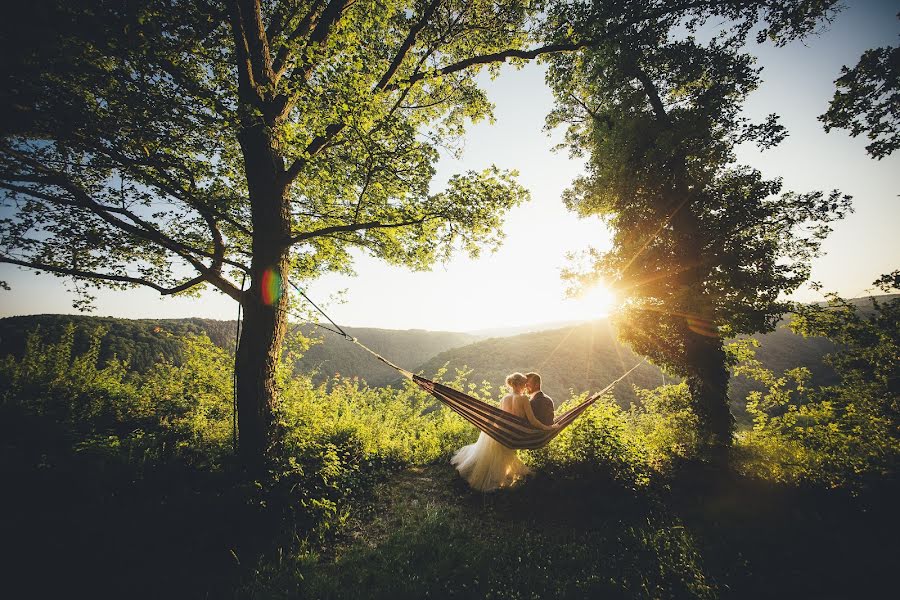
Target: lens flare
702	327
593	303
271	287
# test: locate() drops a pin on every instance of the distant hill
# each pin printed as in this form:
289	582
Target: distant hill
517	329
144	341
586	357
582	357
408	348
141	342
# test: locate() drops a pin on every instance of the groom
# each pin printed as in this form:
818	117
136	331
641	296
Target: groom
541	404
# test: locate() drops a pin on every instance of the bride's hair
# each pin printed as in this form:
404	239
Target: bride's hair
516	381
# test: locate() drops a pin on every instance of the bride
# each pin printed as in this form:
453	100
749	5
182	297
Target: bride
487	464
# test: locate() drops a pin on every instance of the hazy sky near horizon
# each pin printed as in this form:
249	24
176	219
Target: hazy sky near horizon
466	294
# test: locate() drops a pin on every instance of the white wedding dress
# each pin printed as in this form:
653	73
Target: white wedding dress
487	464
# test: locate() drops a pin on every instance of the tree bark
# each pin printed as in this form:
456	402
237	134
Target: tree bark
258	356
704	354
708	384
265	303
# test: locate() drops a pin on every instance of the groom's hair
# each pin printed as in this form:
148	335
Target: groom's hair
534	380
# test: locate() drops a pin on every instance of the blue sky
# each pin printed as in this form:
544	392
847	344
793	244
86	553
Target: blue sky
493	291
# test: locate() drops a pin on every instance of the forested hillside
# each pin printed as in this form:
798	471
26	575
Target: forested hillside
408	348
586	357
583	357
143	342
140	342
579	358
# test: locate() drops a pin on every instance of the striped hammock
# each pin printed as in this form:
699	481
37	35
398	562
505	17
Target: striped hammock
508	429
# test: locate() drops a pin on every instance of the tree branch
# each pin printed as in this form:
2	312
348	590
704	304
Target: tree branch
138	227
282	103
356	227
652	94
495	57
280	62
217	255
322	141
406	45
103	276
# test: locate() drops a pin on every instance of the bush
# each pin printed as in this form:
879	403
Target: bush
665	426
843	435
629	445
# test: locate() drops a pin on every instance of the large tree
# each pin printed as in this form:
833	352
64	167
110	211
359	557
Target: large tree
181	144
703	248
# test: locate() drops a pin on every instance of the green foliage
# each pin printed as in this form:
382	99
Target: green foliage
598	442
648	440
660	117
388	427
703	248
193	399
838	435
157	187
339	436
665	426
867	100
66	388
173	412
154	449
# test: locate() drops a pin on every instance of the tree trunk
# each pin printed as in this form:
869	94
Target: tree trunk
265	302
258	357
707	371
708	384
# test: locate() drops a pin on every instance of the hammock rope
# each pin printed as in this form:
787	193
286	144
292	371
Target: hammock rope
506	428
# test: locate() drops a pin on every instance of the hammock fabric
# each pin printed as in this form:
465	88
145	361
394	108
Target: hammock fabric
508	429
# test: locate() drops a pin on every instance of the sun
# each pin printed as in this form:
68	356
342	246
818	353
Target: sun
595	302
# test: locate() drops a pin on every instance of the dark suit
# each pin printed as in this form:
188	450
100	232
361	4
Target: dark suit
542	407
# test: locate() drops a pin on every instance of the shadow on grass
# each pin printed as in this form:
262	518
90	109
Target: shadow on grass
711	534
77	525
89	524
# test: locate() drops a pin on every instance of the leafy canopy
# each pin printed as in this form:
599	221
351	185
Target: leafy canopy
658	114
867	100
120	153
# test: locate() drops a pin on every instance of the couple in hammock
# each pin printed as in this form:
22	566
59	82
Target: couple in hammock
487	464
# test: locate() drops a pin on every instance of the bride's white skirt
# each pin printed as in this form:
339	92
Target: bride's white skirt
488	465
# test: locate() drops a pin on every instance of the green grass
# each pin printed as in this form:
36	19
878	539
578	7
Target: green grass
711	534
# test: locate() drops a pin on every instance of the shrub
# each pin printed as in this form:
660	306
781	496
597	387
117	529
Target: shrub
843	435
665	426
